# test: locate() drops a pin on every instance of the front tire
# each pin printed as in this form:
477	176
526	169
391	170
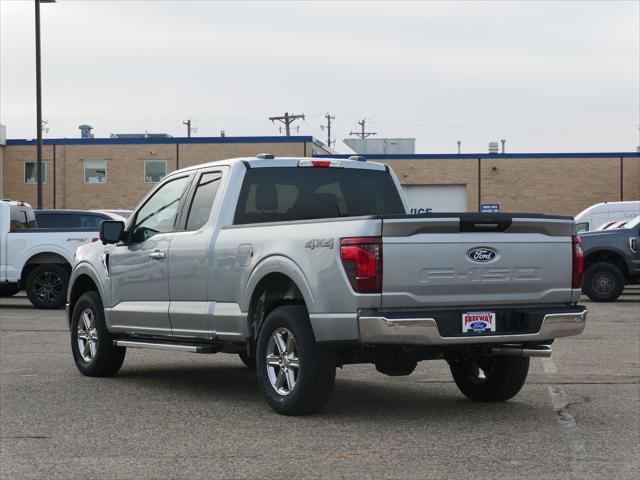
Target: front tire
603	282
91	343
47	286
490	379
295	374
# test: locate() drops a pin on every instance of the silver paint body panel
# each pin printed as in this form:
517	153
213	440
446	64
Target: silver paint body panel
202	288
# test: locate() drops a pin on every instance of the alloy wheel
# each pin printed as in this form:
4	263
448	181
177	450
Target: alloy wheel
283	365
87	335
48	287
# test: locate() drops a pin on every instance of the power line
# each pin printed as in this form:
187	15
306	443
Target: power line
363	134
328	127
287	120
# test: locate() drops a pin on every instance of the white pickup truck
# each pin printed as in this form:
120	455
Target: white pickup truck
37	259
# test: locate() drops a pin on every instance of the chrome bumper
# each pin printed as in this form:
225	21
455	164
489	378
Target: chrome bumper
424	331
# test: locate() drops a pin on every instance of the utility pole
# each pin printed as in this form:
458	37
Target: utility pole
329	117
190	129
363	134
287	120
459	143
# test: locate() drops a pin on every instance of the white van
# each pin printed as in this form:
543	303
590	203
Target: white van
600	213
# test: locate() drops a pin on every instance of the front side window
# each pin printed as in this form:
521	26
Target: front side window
31	172
158	214
203	200
90	221
95	171
154	170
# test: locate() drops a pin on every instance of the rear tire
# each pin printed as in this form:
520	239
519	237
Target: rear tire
47	286
603	282
501	378
295	374
91	343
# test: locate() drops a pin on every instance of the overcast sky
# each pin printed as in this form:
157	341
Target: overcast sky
546	76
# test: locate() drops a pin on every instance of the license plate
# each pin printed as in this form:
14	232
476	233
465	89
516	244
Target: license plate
478	322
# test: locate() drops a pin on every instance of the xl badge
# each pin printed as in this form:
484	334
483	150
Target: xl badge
482	254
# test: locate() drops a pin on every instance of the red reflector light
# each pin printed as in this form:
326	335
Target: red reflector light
94	239
362	261
577	261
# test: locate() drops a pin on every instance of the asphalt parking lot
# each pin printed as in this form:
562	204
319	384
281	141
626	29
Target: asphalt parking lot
180	415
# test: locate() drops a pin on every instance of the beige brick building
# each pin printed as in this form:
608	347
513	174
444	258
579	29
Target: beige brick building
114	173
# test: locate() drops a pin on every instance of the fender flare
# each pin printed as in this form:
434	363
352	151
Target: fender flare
85	268
277	264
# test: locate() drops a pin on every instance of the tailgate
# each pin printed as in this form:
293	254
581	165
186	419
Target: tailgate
476	259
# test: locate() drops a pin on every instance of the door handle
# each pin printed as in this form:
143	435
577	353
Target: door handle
156	255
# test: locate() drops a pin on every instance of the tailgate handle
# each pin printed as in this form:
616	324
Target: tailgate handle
484	224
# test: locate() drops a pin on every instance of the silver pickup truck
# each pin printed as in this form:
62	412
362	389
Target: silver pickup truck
301	265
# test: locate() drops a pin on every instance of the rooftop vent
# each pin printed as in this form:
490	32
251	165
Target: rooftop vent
85	131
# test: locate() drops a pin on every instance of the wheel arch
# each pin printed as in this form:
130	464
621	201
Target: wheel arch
83	279
42	258
606	255
273	290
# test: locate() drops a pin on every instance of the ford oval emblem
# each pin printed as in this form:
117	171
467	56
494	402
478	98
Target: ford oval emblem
482	254
478	326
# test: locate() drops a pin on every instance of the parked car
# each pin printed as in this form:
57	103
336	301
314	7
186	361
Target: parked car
302	265
71	219
611	261
601	213
36	259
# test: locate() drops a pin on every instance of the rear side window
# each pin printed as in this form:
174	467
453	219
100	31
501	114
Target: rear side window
284	194
21	218
203	200
57	220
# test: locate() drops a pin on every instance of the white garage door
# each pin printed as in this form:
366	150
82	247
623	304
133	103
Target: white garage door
436	198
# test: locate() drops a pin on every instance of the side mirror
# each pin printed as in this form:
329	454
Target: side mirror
111	231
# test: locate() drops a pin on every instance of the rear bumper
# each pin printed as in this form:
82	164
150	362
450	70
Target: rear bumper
380	329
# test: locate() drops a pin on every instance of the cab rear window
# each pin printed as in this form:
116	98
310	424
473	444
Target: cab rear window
281	194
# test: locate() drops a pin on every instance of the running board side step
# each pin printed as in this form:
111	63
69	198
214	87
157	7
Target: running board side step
520	351
178	347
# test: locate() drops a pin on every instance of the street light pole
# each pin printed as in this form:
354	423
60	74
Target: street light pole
38	110
39	105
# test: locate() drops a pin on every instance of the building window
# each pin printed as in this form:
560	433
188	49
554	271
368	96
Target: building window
95	171
154	170
31	172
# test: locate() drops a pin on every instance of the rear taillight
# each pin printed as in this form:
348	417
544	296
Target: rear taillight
578	262
362	261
